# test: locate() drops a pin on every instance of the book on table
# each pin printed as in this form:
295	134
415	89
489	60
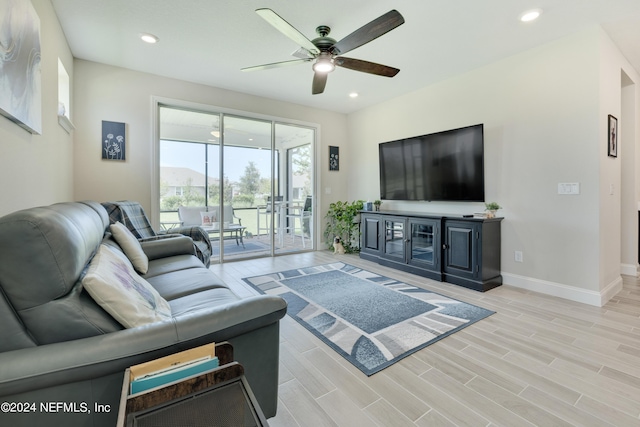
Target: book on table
174	367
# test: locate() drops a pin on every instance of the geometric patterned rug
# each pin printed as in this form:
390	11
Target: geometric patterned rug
371	320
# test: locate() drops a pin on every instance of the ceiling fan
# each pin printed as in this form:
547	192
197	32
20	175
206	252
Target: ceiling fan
325	52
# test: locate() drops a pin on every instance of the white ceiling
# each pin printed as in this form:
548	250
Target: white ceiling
209	41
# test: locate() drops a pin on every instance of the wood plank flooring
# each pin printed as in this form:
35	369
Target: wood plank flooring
539	361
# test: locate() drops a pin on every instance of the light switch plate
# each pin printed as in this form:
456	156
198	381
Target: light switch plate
569	188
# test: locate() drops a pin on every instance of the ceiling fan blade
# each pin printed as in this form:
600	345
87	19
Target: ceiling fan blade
277	64
319	82
371	31
287	29
366	66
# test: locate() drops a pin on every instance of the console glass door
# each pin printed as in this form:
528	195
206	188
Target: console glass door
394	238
423	243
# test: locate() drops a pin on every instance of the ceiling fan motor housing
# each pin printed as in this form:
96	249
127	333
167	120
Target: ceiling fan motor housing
323	43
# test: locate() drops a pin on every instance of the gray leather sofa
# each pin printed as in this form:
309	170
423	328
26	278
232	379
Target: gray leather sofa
61	354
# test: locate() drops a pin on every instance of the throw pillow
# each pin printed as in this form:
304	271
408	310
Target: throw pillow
120	291
131	247
209	220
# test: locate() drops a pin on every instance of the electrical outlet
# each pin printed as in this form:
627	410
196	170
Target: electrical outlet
518	256
568	188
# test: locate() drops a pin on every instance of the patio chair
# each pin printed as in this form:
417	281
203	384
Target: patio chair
264	212
134	218
295	218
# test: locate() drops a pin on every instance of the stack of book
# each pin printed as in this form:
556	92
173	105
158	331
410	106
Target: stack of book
175	367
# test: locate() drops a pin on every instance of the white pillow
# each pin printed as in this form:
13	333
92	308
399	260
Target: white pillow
115	286
190	215
207	219
131	247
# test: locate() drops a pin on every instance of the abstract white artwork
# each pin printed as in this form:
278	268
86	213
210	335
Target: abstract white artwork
20	75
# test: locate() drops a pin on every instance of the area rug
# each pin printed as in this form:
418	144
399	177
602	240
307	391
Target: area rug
231	248
371	320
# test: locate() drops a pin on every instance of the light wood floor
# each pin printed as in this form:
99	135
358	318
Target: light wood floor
539	360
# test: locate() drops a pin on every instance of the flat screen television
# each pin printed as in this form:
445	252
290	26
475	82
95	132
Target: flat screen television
443	166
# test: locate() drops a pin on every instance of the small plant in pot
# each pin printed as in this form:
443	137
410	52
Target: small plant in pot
492	208
377	204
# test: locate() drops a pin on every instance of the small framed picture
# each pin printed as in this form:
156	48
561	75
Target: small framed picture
113	140
613	137
334	158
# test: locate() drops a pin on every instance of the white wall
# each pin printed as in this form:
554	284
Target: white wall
37	170
115	94
630	201
543	125
614	211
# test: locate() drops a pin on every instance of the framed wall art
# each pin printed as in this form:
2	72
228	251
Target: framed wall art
613	137
20	74
113	140
334	158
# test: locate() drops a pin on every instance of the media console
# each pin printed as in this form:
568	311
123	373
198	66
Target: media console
454	249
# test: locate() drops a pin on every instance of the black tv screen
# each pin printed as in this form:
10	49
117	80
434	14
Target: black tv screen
443	166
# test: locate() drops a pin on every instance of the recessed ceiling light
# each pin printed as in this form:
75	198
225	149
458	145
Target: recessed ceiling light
353	95
531	15
149	38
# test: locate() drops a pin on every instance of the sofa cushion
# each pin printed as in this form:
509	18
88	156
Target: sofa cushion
43	250
116	287
204	300
131	247
162	266
176	284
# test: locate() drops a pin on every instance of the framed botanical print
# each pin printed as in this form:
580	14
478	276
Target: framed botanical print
113	140
334	158
613	137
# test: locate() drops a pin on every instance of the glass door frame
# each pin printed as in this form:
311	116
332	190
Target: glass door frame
158	102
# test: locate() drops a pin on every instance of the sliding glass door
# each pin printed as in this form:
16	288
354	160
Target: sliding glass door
295	143
248	183
247	161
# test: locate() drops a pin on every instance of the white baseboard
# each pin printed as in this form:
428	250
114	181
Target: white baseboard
629	269
572	293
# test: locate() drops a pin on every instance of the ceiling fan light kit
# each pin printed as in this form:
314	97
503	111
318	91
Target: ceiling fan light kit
325	51
324	64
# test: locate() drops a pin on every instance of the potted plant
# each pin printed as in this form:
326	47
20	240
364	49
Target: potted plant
492	208
377	204
342	220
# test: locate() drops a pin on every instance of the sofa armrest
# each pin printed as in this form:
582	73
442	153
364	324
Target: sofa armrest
235	318
169	245
73	361
196	233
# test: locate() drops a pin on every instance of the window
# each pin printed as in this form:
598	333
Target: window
64	103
